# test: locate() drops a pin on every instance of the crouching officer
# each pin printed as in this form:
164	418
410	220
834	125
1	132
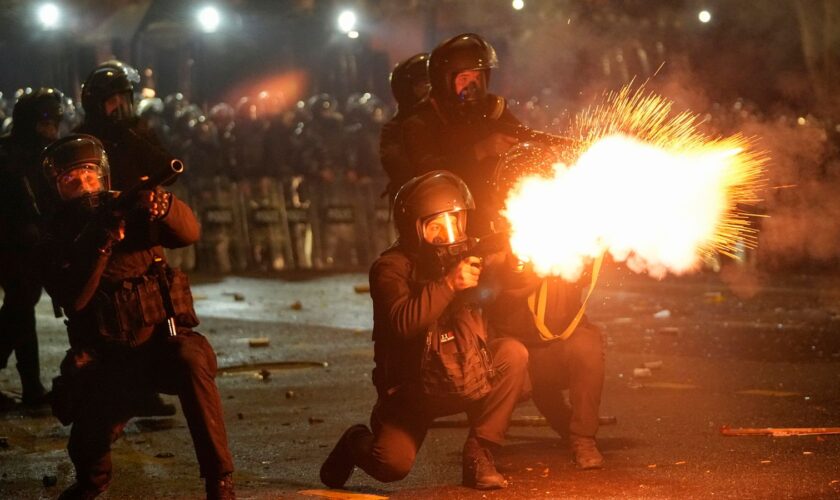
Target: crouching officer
130	317
430	345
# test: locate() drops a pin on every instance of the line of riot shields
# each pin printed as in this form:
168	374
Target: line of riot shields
274	224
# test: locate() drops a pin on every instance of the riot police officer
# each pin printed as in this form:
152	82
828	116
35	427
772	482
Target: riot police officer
133	149
36	120
424	320
461	126
130	316
108	101
409	86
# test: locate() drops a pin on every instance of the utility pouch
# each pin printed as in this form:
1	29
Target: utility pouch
182	299
456	366
138	303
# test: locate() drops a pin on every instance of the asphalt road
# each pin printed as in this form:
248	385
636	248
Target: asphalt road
766	356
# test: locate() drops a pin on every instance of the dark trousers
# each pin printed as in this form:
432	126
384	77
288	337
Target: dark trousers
21	291
400	422
576	364
184	365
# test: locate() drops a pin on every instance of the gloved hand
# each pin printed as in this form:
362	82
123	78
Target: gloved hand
465	274
494	145
156	203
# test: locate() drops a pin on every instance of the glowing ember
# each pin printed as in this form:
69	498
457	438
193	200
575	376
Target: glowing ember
651	190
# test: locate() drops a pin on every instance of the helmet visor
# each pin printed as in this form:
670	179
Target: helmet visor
82	180
445	228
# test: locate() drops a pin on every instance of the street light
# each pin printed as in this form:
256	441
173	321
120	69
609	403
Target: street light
518	4
704	16
49	15
347	21
209	19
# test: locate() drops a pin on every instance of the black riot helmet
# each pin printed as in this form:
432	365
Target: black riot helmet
76	169
36	107
107	80
460	53
430	212
410	81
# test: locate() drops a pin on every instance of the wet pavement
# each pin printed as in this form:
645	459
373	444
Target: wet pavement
766	356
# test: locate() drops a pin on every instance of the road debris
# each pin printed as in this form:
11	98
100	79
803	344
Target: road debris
314	420
765	392
642	373
290	394
778	431
258	342
340	495
165	454
237	297
607	420
4	443
669	330
663	314
296	305
652	365
361	288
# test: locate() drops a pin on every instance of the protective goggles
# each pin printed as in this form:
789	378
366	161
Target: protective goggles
445	228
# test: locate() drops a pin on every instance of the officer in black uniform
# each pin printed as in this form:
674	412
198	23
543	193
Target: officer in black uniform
130	316
37	117
461	126
409	86
133	149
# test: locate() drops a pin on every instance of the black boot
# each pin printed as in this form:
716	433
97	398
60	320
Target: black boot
220	489
339	464
479	469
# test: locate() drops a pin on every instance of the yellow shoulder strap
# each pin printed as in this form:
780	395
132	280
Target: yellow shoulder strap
537	303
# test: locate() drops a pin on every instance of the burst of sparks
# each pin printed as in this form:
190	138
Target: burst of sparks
643	184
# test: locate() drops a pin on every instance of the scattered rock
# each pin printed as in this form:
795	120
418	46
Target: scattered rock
313	420
49	480
642	372
238	297
240	416
290	394
663	314
264	375
258	342
165	454
296	306
652	365
361	288
4	443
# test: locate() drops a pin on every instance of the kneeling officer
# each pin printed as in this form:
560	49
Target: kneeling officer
430	345
130	316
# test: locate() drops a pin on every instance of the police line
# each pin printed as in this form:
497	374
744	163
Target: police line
273	224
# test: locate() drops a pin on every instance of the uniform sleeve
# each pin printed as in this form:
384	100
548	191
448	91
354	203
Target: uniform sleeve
424	151
409	313
180	227
71	274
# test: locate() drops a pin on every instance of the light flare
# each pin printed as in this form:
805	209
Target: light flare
646	187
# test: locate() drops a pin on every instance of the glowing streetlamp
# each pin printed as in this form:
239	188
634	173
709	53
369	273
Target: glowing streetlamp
209	19
704	16
518	4
49	16
347	21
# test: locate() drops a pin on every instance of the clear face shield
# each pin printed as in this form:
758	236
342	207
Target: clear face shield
470	86
119	107
87	179
445	229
